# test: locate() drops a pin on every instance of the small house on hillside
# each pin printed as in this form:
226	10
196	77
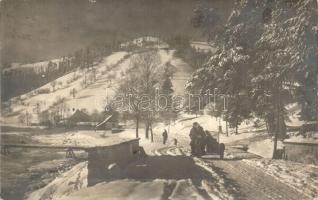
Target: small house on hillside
79	116
81	120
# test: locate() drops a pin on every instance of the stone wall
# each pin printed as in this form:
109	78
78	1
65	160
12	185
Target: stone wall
301	152
100	158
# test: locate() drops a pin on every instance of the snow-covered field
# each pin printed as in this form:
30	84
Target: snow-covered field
81	138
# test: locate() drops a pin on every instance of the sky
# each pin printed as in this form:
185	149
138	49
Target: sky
35	30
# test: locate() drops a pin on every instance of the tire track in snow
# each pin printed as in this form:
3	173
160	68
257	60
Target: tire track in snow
211	188
253	183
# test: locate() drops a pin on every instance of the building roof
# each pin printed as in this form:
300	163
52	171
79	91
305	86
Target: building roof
79	116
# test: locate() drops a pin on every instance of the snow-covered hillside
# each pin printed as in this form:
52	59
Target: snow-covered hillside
85	89
145	42
88	96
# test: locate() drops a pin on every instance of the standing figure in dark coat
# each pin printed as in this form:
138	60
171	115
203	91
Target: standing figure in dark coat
175	141
197	137
165	136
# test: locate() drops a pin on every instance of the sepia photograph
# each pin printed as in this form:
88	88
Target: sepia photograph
159	99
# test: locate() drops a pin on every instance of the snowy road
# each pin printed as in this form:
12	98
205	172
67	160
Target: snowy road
253	183
243	181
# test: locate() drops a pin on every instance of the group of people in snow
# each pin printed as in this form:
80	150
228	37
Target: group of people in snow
202	141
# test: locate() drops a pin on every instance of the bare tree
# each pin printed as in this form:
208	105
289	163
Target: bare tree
147	66
140	81
130	86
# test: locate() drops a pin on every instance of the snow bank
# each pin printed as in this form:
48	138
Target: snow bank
184	189
300	176
121	189
70	181
217	188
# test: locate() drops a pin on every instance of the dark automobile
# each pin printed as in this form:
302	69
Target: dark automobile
208	146
213	147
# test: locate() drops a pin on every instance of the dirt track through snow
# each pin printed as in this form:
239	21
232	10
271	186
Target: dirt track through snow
253	183
243	181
